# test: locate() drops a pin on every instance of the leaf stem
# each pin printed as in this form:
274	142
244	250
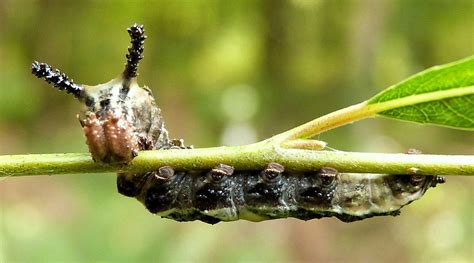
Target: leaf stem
361	111
327	122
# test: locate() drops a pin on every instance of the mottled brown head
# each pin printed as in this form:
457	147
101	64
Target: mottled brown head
119	118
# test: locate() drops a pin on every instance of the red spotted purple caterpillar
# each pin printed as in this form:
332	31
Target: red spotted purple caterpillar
119	118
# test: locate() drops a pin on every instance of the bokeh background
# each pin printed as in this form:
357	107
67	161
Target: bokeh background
226	73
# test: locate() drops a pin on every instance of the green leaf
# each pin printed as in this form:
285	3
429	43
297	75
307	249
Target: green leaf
442	95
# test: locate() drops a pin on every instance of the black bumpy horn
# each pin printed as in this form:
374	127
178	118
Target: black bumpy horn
56	78
135	51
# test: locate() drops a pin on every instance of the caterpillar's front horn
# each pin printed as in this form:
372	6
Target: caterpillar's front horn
135	51
56	78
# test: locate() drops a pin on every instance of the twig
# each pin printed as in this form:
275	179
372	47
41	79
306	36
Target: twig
254	156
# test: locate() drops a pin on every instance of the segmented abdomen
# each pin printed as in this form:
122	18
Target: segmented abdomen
225	195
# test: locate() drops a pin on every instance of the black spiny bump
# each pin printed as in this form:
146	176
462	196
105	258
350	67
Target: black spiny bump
135	51
417	180
220	171
165	173
56	78
328	175
272	171
214	189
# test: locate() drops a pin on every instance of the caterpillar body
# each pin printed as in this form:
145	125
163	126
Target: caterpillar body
226	195
119	118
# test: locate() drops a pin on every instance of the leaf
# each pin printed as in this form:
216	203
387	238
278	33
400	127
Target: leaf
441	95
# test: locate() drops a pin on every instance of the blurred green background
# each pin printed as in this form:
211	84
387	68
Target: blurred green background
226	73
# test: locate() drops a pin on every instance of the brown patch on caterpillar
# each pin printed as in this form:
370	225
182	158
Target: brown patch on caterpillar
267	189
214	196
417	180
120	137
165	173
328	172
220	171
272	171
95	137
110	138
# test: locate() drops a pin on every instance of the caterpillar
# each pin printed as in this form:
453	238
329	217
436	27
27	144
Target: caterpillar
119	118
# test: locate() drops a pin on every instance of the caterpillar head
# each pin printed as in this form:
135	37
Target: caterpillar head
119	118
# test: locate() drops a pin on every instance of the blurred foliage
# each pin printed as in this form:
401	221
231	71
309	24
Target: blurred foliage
226	72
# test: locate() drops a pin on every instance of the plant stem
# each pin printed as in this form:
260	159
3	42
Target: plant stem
327	122
361	111
254	156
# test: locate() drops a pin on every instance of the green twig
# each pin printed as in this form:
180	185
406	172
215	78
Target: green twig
362	111
254	156
327	122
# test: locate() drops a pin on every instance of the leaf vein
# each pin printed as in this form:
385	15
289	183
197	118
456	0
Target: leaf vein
447	105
